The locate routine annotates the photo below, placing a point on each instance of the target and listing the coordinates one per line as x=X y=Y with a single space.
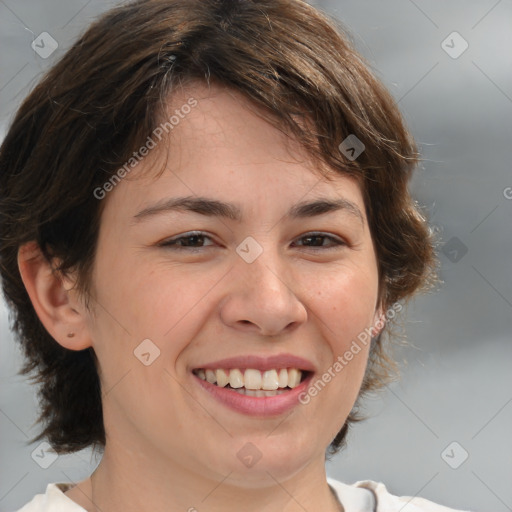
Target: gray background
x=456 y=386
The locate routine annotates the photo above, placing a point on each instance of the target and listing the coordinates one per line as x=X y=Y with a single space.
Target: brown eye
x=193 y=240
x=316 y=241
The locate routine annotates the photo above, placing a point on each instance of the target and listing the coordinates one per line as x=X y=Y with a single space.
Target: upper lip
x=260 y=363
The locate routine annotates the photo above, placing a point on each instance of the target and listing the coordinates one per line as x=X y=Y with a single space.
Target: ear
x=53 y=299
x=379 y=321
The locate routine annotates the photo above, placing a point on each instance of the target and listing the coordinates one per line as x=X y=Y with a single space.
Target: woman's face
x=281 y=286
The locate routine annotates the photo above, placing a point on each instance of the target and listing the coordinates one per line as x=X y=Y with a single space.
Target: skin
x=170 y=445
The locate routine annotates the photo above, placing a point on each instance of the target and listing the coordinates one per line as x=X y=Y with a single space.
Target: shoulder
x=53 y=500
x=370 y=496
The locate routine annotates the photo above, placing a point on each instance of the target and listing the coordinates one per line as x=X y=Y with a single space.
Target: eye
x=317 y=240
x=196 y=239
x=192 y=240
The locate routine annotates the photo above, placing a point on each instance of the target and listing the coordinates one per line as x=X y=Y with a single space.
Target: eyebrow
x=215 y=208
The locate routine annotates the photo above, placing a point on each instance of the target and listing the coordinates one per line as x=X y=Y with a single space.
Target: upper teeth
x=252 y=379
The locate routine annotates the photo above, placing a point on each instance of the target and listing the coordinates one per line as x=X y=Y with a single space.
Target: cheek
x=163 y=302
x=345 y=301
x=344 y=304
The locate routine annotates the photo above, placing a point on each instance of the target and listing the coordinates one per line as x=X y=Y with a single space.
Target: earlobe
x=55 y=305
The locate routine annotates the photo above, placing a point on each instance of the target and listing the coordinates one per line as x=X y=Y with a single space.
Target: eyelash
x=172 y=243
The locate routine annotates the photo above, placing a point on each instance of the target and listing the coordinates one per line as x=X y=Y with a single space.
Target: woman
x=206 y=230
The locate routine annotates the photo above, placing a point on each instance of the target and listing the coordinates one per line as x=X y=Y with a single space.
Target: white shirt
x=363 y=496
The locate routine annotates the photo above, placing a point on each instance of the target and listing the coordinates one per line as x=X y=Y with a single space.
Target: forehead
x=219 y=144
x=223 y=120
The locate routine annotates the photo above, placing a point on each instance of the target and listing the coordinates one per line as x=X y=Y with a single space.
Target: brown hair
x=104 y=98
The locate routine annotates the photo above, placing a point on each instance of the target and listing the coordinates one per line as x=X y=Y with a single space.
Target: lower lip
x=254 y=405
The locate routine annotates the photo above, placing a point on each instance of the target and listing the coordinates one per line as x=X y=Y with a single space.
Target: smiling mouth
x=252 y=382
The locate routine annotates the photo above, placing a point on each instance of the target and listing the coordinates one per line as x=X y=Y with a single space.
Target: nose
x=263 y=296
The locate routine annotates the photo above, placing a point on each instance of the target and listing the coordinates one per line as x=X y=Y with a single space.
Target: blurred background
x=441 y=432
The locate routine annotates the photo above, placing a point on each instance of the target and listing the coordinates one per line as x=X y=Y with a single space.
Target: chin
x=256 y=461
